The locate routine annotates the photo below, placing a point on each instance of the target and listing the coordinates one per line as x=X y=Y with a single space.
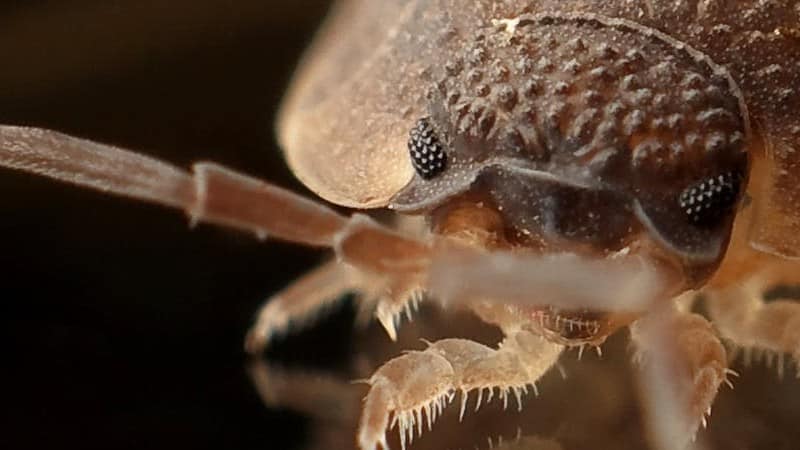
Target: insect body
x=580 y=164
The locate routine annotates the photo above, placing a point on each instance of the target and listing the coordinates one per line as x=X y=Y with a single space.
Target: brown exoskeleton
x=579 y=165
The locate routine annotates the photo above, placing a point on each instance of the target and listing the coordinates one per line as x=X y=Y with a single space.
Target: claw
x=374 y=421
x=388 y=321
x=389 y=397
x=407 y=420
x=391 y=309
x=464 y=399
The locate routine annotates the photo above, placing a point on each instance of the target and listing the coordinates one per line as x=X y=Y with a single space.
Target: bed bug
x=579 y=165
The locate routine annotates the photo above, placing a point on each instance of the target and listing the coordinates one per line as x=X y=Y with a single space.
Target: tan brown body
x=615 y=97
x=383 y=85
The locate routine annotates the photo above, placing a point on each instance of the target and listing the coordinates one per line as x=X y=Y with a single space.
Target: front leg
x=301 y=302
x=212 y=194
x=684 y=364
x=417 y=386
x=365 y=250
x=750 y=323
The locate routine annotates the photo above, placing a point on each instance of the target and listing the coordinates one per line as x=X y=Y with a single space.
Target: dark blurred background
x=120 y=326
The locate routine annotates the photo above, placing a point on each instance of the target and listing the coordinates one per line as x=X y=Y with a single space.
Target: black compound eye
x=427 y=152
x=708 y=202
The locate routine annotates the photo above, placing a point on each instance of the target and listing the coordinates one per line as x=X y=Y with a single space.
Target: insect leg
x=298 y=303
x=412 y=390
x=683 y=365
x=96 y=166
x=627 y=284
x=746 y=320
x=212 y=194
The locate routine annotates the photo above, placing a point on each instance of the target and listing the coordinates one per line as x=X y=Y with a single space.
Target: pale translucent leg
x=412 y=390
x=623 y=284
x=385 y=297
x=300 y=302
x=212 y=194
x=683 y=366
x=747 y=321
x=735 y=299
x=459 y=276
